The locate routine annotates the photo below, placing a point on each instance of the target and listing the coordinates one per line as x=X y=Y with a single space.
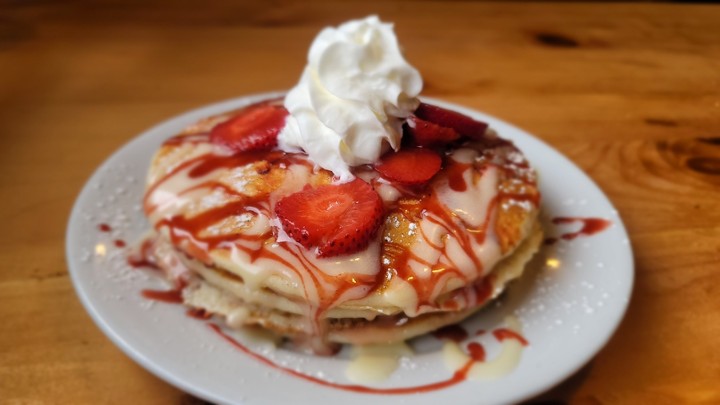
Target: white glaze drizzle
x=374 y=363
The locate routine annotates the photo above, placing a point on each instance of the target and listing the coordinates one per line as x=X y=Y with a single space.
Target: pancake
x=443 y=250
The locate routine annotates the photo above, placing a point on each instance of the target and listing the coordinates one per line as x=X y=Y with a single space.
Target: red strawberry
x=428 y=134
x=337 y=218
x=463 y=124
x=254 y=128
x=410 y=166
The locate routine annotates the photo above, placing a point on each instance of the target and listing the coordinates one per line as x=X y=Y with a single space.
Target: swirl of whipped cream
x=356 y=90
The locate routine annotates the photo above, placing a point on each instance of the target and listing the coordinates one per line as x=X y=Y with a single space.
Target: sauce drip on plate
x=590 y=226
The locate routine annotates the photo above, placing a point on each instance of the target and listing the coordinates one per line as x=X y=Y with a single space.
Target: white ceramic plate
x=569 y=305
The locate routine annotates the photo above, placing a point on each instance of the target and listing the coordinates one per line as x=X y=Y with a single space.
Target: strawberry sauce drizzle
x=477 y=351
x=198 y=313
x=215 y=162
x=504 y=333
x=187 y=139
x=104 y=228
x=457 y=377
x=173 y=296
x=455 y=173
x=590 y=226
x=148 y=207
x=143 y=256
x=169 y=296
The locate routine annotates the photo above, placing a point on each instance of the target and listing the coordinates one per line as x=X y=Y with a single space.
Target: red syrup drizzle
x=192 y=139
x=119 y=243
x=143 y=258
x=199 y=313
x=458 y=377
x=590 y=226
x=173 y=296
x=456 y=180
x=168 y=296
x=104 y=228
x=477 y=351
x=504 y=333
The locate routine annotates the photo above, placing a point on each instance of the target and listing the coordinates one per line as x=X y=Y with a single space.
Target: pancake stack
x=419 y=240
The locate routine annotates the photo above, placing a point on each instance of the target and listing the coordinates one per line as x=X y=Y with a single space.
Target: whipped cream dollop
x=352 y=98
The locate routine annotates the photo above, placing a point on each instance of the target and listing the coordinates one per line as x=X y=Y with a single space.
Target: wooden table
x=631 y=93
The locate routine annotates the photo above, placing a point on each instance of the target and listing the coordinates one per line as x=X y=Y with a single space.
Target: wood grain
x=630 y=92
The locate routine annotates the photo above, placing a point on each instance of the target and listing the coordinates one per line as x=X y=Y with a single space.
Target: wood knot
x=556 y=40
x=711 y=141
x=700 y=155
x=706 y=165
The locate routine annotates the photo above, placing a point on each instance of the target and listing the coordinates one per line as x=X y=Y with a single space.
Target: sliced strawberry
x=409 y=166
x=463 y=124
x=427 y=134
x=338 y=219
x=254 y=128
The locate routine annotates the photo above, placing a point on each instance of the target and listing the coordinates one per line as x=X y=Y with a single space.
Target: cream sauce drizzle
x=374 y=363
x=501 y=365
